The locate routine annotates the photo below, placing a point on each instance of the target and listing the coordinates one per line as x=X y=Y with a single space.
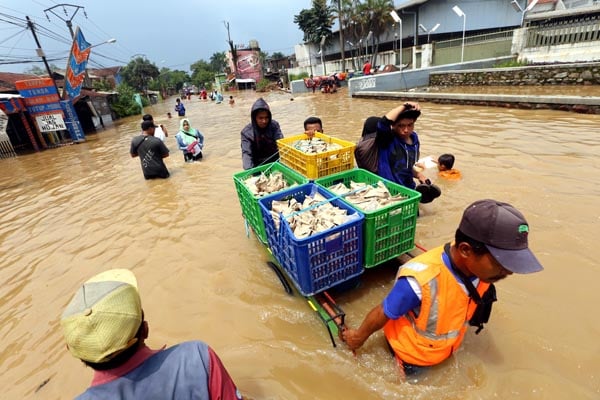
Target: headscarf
x=188 y=136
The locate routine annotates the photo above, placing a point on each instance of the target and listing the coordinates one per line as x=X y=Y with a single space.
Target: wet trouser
x=187 y=157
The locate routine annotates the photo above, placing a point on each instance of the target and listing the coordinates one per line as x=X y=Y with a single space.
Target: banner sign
x=80 y=52
x=248 y=65
x=73 y=124
x=50 y=122
x=42 y=102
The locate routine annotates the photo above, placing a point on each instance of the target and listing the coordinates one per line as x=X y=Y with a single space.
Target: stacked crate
x=316 y=165
x=388 y=231
x=249 y=202
x=320 y=261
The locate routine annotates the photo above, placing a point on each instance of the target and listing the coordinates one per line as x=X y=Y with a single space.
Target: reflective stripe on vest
x=433 y=318
x=430 y=334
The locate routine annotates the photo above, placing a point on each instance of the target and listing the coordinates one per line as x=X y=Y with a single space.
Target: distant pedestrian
x=180 y=108
x=190 y=141
x=366 y=67
x=231 y=101
x=160 y=131
x=151 y=151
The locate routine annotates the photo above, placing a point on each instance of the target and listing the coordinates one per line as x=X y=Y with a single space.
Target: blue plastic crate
x=318 y=262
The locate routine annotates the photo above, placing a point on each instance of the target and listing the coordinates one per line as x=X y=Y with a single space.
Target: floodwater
x=71 y=212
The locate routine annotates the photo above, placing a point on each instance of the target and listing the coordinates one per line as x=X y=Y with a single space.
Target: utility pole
x=232 y=49
x=68 y=21
x=40 y=53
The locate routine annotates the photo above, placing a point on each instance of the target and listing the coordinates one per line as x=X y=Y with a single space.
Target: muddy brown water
x=70 y=212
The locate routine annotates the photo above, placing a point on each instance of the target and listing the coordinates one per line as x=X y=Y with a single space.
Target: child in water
x=445 y=163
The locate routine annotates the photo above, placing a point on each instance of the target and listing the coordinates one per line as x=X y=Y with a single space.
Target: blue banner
x=72 y=122
x=75 y=73
x=38 y=91
x=43 y=108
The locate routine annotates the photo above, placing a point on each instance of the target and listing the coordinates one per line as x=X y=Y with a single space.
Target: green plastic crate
x=249 y=202
x=389 y=231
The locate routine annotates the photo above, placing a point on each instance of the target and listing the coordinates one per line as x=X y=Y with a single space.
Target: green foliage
x=277 y=55
x=315 y=22
x=261 y=86
x=169 y=79
x=512 y=63
x=124 y=104
x=102 y=85
x=218 y=62
x=296 y=77
x=139 y=73
x=37 y=70
x=202 y=74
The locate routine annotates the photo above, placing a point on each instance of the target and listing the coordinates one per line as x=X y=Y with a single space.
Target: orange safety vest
x=429 y=334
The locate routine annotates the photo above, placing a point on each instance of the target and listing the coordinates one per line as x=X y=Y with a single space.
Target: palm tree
x=315 y=22
x=344 y=11
x=377 y=15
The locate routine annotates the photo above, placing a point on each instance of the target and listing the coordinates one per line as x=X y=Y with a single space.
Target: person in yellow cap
x=104 y=326
x=439 y=293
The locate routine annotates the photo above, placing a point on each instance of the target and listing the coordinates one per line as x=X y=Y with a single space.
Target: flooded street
x=71 y=212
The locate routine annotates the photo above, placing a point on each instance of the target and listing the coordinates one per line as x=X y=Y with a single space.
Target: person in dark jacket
x=398 y=145
x=259 y=137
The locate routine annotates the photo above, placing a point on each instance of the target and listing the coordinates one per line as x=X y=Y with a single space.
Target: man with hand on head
x=424 y=316
x=104 y=327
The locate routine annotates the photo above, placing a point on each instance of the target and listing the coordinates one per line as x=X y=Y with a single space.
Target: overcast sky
x=171 y=34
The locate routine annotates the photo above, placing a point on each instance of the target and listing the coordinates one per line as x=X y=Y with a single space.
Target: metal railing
x=6 y=147
x=564 y=32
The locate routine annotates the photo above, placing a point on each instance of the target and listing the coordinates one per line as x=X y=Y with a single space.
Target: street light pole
x=321 y=51
x=518 y=8
x=430 y=31
x=398 y=20
x=460 y=13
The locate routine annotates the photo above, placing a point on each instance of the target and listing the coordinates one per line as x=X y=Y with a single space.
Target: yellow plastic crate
x=316 y=165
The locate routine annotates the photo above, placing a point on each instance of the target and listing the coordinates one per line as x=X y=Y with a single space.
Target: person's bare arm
x=393 y=113
x=374 y=321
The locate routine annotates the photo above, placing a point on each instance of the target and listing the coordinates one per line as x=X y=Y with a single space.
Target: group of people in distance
x=425 y=315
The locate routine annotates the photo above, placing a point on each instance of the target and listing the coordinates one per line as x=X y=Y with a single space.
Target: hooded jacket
x=260 y=145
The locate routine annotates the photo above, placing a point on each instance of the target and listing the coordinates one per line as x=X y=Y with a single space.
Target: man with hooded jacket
x=259 y=137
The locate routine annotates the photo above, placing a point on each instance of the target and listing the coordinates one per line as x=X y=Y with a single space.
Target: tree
x=202 y=73
x=139 y=72
x=168 y=79
x=345 y=12
x=277 y=55
x=378 y=12
x=37 y=70
x=124 y=105
x=315 y=22
x=218 y=62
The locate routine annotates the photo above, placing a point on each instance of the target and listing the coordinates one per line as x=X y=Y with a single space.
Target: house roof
x=8 y=79
x=104 y=72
